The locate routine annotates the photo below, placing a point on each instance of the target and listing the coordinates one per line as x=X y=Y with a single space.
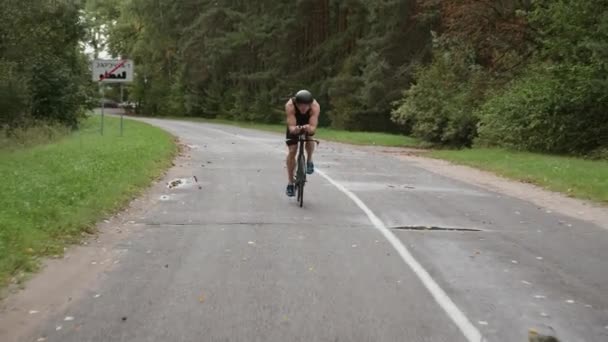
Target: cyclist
x=302 y=112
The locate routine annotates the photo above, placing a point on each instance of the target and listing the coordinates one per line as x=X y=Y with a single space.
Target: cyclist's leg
x=291 y=160
x=310 y=148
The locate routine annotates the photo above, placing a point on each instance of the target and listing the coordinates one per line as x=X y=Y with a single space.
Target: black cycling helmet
x=304 y=96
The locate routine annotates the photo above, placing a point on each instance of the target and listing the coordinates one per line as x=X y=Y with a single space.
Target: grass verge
x=53 y=193
x=576 y=177
x=355 y=138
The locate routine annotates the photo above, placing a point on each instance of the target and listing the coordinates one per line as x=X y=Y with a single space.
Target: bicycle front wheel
x=301 y=194
x=301 y=179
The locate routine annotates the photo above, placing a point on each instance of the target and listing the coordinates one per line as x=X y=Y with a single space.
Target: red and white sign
x=113 y=70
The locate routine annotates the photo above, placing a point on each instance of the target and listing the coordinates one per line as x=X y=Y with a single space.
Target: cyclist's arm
x=313 y=122
x=291 y=118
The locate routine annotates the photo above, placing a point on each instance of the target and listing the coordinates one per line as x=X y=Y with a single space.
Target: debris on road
x=534 y=336
x=124 y=318
x=174 y=183
x=68 y=318
x=570 y=301
x=539 y=297
x=33 y=312
x=59 y=327
x=483 y=323
x=201 y=298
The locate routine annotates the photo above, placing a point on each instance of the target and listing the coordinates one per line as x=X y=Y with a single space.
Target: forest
x=519 y=74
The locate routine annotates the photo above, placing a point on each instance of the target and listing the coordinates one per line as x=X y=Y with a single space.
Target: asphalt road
x=236 y=260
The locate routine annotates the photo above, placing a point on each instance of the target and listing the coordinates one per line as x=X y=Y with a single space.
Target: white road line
x=470 y=332
x=458 y=317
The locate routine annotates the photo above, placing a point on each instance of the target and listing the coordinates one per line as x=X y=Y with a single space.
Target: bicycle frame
x=300 y=172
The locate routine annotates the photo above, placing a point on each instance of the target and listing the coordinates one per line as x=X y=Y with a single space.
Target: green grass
x=53 y=193
x=581 y=178
x=355 y=138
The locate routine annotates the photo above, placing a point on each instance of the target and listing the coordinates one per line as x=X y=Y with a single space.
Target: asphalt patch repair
x=440 y=229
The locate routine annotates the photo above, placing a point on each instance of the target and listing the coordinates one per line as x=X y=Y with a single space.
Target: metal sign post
x=112 y=71
x=103 y=104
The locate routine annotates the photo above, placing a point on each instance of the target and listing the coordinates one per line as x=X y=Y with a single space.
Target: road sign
x=113 y=70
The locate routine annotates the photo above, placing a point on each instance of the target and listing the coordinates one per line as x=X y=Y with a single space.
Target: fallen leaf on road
x=201 y=298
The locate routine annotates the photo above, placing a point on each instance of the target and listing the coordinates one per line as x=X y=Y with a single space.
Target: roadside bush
x=549 y=110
